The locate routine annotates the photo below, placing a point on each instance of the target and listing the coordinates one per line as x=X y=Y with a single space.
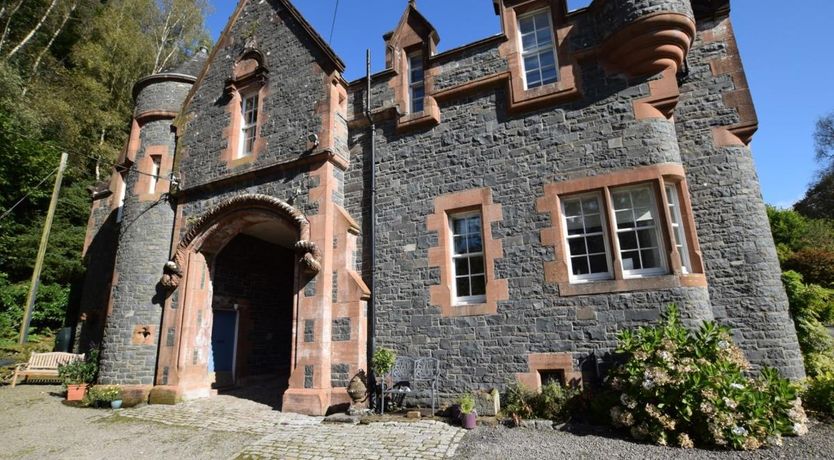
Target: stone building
x=536 y=192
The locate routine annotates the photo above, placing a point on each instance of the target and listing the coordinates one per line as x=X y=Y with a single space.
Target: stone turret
x=147 y=218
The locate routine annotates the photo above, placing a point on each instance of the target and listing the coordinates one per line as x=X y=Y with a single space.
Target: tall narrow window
x=587 y=243
x=248 y=125
x=677 y=225
x=468 y=258
x=537 y=49
x=156 y=165
x=122 y=192
x=638 y=231
x=416 y=84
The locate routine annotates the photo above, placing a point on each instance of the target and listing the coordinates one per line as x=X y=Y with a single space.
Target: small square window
x=468 y=258
x=552 y=376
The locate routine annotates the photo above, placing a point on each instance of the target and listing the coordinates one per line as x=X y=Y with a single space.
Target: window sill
x=428 y=118
x=632 y=284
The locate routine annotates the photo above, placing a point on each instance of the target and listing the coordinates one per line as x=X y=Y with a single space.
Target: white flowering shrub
x=689 y=389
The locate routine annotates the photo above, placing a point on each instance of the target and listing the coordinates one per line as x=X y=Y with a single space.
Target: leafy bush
x=48 y=314
x=810 y=306
x=98 y=395
x=815 y=264
x=383 y=361
x=80 y=372
x=551 y=403
x=687 y=389
x=819 y=394
x=467 y=403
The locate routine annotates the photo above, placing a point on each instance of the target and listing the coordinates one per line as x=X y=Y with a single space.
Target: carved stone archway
x=186 y=324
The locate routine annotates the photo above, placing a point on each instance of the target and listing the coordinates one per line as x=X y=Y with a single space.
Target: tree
x=178 y=31
x=819 y=199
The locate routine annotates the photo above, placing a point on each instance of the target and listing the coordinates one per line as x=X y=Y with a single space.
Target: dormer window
x=416 y=83
x=248 y=125
x=538 y=52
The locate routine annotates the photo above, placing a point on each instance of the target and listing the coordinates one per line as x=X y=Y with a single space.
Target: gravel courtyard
x=35 y=425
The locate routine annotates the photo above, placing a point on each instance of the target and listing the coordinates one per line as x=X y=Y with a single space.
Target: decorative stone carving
x=211 y=222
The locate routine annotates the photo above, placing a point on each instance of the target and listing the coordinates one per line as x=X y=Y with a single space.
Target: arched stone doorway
x=232 y=314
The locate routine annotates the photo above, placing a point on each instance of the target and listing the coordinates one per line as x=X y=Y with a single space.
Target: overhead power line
x=9 y=211
x=333 y=25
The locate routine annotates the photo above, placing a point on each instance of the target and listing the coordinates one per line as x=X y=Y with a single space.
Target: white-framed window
x=468 y=258
x=120 y=212
x=677 y=226
x=156 y=166
x=586 y=237
x=638 y=231
x=416 y=83
x=248 y=124
x=538 y=53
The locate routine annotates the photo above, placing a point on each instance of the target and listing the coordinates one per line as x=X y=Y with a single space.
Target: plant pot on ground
x=468 y=415
x=78 y=375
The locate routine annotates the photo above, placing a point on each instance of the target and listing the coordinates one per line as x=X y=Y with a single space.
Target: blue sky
x=784 y=47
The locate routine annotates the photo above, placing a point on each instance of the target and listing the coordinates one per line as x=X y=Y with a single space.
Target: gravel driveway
x=600 y=443
x=35 y=425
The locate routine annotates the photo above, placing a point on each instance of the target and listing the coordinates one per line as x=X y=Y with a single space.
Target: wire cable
x=333 y=25
x=9 y=211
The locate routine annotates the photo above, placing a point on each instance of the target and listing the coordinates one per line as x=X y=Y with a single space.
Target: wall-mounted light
x=313 y=139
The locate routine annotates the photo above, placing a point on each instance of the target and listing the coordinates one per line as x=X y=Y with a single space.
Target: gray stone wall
x=165 y=96
x=742 y=267
x=473 y=64
x=296 y=86
x=479 y=144
x=144 y=246
x=611 y=16
x=99 y=261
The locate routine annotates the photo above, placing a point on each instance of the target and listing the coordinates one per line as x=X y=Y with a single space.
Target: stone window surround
x=567 y=85
x=441 y=256
x=401 y=83
x=538 y=362
x=144 y=167
x=249 y=76
x=661 y=175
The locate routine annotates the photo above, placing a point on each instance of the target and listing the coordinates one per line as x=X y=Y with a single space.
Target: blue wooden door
x=223 y=342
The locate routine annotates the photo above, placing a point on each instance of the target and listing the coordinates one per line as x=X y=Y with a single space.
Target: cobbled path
x=293 y=436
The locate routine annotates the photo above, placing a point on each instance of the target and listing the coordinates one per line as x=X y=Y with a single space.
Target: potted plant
x=78 y=375
x=469 y=417
x=382 y=362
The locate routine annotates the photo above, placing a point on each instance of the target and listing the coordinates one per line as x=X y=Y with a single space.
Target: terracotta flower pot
x=76 y=392
x=470 y=421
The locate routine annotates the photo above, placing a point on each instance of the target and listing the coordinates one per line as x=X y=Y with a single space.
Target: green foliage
x=819 y=394
x=811 y=306
x=69 y=89
x=815 y=264
x=551 y=403
x=101 y=396
x=690 y=388
x=383 y=361
x=467 y=403
x=80 y=372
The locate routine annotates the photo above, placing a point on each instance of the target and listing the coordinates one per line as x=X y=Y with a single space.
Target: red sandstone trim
x=650 y=44
x=152 y=115
x=568 y=85
x=549 y=362
x=249 y=76
x=441 y=255
x=740 y=99
x=556 y=271
x=143 y=182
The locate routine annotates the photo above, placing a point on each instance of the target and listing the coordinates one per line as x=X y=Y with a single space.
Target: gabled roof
x=317 y=39
x=411 y=11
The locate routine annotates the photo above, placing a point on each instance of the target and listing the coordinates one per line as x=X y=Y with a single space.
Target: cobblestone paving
x=389 y=440
x=222 y=413
x=293 y=436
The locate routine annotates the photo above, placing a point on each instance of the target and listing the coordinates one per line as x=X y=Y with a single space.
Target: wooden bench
x=412 y=377
x=44 y=366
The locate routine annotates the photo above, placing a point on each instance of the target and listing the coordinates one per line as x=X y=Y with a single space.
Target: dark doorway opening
x=252 y=306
